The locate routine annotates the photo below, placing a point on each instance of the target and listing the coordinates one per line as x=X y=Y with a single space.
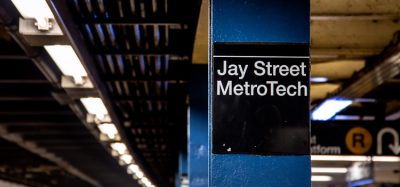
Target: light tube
x=67 y=61
x=109 y=129
x=95 y=106
x=329 y=108
x=328 y=170
x=321 y=178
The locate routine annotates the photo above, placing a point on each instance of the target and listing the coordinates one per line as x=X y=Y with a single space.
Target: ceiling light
x=347 y=117
x=126 y=158
x=328 y=170
x=329 y=108
x=394 y=116
x=109 y=129
x=321 y=178
x=95 y=106
x=120 y=148
x=35 y=9
x=146 y=181
x=353 y=118
x=319 y=79
x=355 y=158
x=139 y=174
x=133 y=168
x=362 y=182
x=68 y=62
x=386 y=159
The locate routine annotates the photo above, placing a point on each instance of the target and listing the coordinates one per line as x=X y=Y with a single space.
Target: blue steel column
x=284 y=21
x=198 y=128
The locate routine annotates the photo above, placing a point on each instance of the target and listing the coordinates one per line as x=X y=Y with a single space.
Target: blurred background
x=95 y=92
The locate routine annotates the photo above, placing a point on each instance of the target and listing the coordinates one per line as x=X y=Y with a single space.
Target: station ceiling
x=141 y=58
x=142 y=54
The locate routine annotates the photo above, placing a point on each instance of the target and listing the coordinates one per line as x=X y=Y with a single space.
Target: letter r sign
x=358 y=140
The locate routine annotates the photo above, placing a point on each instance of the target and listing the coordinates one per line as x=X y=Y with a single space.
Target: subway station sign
x=355 y=138
x=260 y=98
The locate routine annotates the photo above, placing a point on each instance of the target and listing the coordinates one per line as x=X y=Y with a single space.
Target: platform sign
x=355 y=138
x=261 y=98
x=259 y=93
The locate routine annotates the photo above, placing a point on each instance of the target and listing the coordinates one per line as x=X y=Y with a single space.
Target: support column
x=198 y=128
x=259 y=139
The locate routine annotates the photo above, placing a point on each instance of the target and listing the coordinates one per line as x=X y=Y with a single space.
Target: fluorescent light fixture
x=362 y=182
x=67 y=60
x=34 y=9
x=319 y=79
x=95 y=106
x=126 y=158
x=133 y=168
x=364 y=100
x=109 y=129
x=354 y=118
x=321 y=178
x=329 y=108
x=146 y=181
x=347 y=117
x=120 y=148
x=139 y=174
x=386 y=159
x=328 y=170
x=355 y=158
x=393 y=116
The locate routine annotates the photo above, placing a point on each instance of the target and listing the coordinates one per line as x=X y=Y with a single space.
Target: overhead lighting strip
x=330 y=108
x=70 y=65
x=96 y=107
x=329 y=170
x=336 y=158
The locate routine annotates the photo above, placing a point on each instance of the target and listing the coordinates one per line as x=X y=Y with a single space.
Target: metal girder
x=35 y=56
x=142 y=52
x=355 y=6
x=39 y=123
x=320 y=55
x=24 y=113
x=178 y=79
x=48 y=128
x=385 y=70
x=168 y=21
x=21 y=98
x=14 y=57
x=23 y=81
x=367 y=34
x=334 y=17
x=32 y=147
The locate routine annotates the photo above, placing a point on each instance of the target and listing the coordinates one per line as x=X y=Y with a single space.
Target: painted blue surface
x=260 y=171
x=183 y=168
x=183 y=165
x=259 y=21
x=198 y=128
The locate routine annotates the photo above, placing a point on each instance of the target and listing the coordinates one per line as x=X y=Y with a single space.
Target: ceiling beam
x=353 y=16
x=325 y=54
x=32 y=147
x=69 y=27
x=23 y=81
x=25 y=98
x=14 y=57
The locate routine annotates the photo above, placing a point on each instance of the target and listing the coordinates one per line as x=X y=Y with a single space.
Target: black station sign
x=260 y=98
x=355 y=138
